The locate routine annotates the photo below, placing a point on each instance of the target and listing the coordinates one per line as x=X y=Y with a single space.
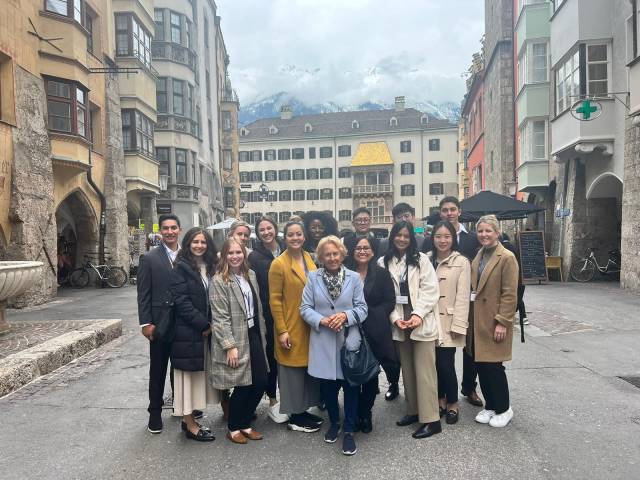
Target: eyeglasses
x=362 y=220
x=404 y=216
x=362 y=249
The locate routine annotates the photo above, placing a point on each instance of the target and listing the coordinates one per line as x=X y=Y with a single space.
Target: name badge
x=402 y=299
x=250 y=322
x=473 y=297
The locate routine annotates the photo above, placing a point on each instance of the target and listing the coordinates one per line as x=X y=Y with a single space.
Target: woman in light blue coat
x=332 y=298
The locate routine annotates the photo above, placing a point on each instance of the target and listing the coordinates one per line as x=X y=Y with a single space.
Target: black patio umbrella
x=503 y=207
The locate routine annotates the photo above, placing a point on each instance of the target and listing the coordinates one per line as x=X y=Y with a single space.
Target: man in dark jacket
x=402 y=212
x=154 y=303
x=361 y=221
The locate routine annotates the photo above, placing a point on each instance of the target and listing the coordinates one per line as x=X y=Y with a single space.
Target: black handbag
x=166 y=324
x=358 y=366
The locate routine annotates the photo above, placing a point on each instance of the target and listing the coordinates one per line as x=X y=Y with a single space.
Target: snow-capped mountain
x=270 y=107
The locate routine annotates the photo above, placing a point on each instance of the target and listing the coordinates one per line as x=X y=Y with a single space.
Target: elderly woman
x=453 y=272
x=239 y=361
x=416 y=328
x=332 y=299
x=287 y=277
x=241 y=231
x=494 y=284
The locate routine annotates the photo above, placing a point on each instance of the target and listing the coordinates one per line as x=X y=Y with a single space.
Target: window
x=272 y=196
x=434 y=145
x=270 y=176
x=256 y=176
x=407 y=168
x=88 y=24
x=284 y=175
x=226 y=121
x=243 y=156
x=256 y=155
x=68 y=8
x=284 y=154
x=188 y=104
x=436 y=189
x=132 y=39
x=284 y=196
x=245 y=217
x=181 y=166
x=161 y=94
x=254 y=197
x=436 y=167
x=393 y=122
x=298 y=174
x=308 y=128
x=210 y=132
x=407 y=190
x=137 y=132
x=312 y=152
x=568 y=82
x=298 y=195
x=176 y=29
x=325 y=152
x=326 y=194
x=284 y=217
x=188 y=34
x=244 y=196
x=355 y=125
x=158 y=17
x=326 y=173
x=344 y=172
x=273 y=130
x=533 y=141
x=405 y=146
x=269 y=154
x=343 y=151
x=313 y=194
x=254 y=217
x=344 y=192
x=178 y=97
x=533 y=64
x=227 y=159
x=245 y=177
x=206 y=31
x=312 y=173
x=67 y=107
x=344 y=215
x=297 y=153
x=228 y=197
x=597 y=70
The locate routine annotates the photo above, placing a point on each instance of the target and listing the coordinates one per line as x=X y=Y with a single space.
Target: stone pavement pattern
x=574 y=418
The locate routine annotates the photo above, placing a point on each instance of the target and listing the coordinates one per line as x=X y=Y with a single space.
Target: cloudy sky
x=350 y=51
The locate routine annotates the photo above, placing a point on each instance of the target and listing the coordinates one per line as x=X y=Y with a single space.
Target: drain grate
x=635 y=381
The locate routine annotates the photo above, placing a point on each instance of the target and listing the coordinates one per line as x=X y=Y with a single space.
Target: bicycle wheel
x=79 y=278
x=583 y=270
x=115 y=277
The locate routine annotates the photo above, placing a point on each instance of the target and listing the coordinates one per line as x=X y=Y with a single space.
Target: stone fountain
x=15 y=279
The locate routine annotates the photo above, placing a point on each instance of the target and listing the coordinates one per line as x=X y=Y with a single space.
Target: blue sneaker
x=332 y=434
x=349 y=444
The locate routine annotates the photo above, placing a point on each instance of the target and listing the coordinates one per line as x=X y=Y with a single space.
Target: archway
x=604 y=211
x=134 y=214
x=77 y=228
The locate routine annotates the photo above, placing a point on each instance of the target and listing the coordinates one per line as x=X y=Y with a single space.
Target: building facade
x=337 y=162
x=473 y=135
x=62 y=188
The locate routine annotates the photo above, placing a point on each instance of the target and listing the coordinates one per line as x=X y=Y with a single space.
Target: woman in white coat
x=416 y=327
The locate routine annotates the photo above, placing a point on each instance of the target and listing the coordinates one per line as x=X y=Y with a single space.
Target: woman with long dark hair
x=318 y=225
x=266 y=250
x=416 y=328
x=190 y=279
x=454 y=276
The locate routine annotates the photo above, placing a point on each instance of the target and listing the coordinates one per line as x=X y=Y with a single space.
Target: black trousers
x=159 y=353
x=392 y=370
x=469 y=373
x=272 y=378
x=495 y=389
x=522 y=311
x=367 y=397
x=447 y=379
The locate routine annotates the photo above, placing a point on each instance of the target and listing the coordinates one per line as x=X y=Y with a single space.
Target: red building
x=474 y=128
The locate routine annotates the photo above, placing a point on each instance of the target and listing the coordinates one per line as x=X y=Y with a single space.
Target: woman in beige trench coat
x=494 y=284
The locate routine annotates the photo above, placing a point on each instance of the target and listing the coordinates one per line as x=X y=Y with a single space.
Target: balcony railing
x=178 y=124
x=362 y=189
x=175 y=53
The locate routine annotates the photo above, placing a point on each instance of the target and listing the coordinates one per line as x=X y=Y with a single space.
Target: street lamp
x=163 y=181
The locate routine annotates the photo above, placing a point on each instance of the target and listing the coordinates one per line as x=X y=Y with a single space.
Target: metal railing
x=360 y=189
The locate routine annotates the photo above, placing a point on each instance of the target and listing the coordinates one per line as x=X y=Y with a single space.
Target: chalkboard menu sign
x=532 y=256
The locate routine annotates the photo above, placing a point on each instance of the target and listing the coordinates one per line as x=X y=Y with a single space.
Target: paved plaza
x=574 y=416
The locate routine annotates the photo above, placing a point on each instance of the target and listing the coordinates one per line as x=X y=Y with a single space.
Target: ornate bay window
x=67 y=106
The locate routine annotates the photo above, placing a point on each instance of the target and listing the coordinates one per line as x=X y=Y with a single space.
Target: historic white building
x=337 y=162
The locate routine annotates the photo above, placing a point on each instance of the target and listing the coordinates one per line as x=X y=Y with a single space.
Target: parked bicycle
x=584 y=270
x=113 y=276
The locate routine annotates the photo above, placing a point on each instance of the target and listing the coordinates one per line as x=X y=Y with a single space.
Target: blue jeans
x=329 y=390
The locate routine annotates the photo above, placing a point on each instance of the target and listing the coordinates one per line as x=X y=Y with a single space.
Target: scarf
x=333 y=283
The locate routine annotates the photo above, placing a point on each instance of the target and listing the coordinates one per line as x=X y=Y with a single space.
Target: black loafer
x=392 y=392
x=184 y=428
x=365 y=425
x=473 y=398
x=428 y=429
x=452 y=417
x=407 y=420
x=201 y=436
x=197 y=414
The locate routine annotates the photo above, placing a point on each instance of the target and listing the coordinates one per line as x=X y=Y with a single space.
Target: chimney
x=285 y=112
x=399 y=104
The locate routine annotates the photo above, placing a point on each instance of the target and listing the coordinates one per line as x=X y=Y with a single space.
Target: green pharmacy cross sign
x=586 y=110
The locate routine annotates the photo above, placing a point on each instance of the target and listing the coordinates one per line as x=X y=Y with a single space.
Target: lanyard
x=247 y=296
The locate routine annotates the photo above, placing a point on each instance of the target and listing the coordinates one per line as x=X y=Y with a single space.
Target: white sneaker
x=525 y=321
x=275 y=415
x=502 y=419
x=485 y=416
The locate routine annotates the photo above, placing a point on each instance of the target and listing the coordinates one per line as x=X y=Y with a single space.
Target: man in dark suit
x=154 y=302
x=468 y=245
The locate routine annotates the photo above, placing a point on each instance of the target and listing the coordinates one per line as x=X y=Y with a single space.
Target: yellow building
x=60 y=135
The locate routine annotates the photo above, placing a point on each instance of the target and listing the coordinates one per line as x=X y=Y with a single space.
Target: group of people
x=275 y=319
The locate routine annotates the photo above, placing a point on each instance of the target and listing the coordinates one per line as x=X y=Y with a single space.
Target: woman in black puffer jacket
x=190 y=278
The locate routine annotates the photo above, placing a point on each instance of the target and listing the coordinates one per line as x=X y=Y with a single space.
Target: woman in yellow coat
x=287 y=278
x=494 y=285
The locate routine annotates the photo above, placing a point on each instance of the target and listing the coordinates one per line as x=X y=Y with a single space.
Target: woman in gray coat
x=238 y=358
x=332 y=298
